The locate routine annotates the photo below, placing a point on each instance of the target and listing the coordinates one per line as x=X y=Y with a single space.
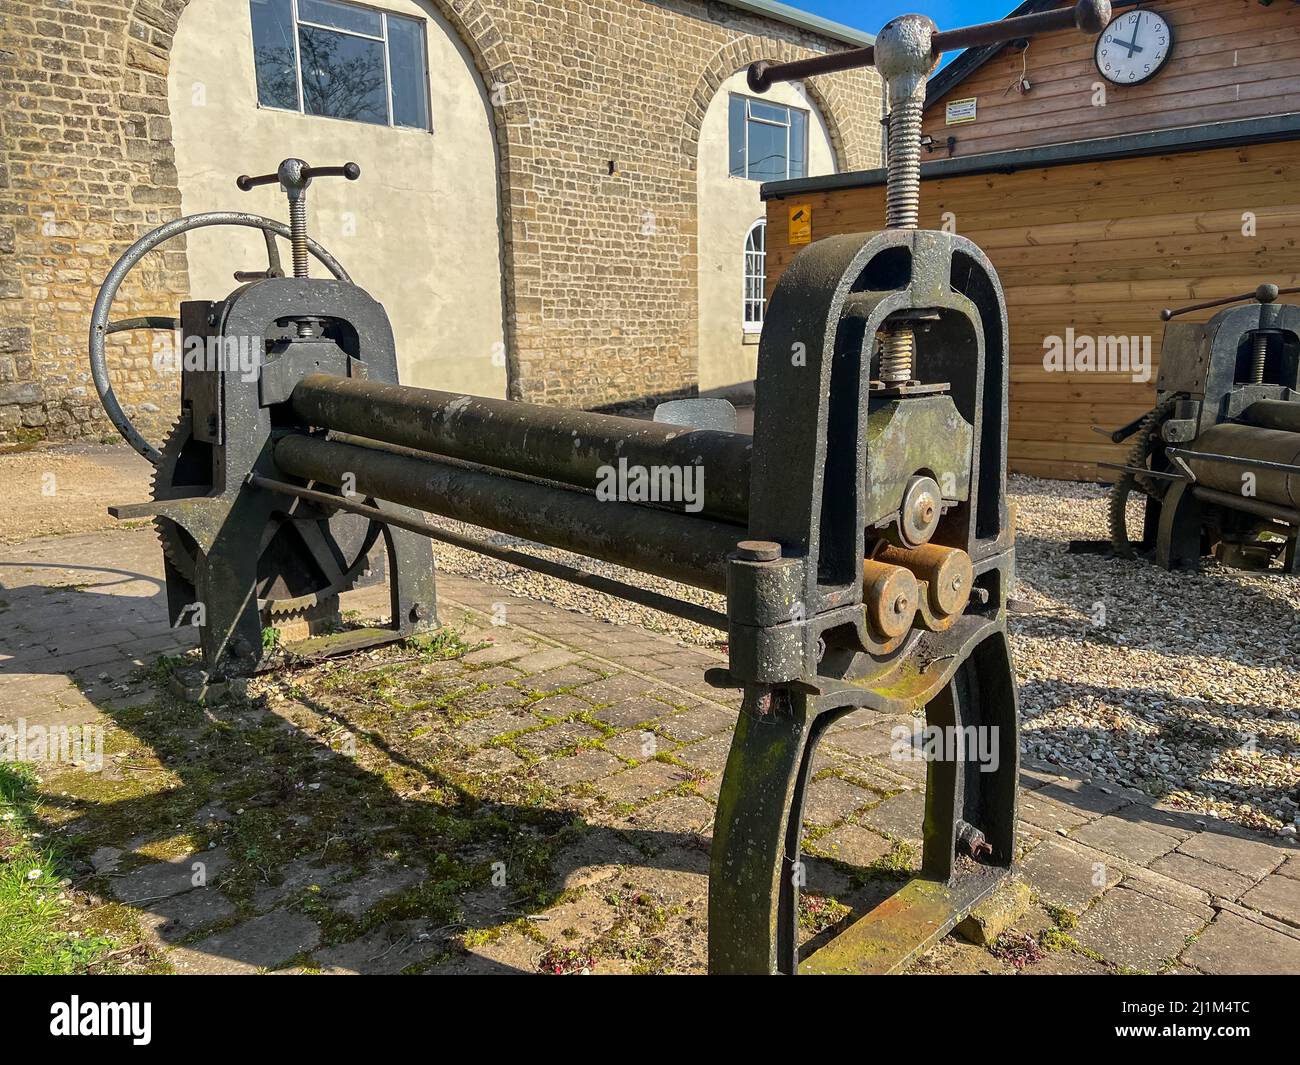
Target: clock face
x=1134 y=47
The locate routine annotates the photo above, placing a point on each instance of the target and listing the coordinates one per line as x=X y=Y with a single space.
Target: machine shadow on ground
x=332 y=806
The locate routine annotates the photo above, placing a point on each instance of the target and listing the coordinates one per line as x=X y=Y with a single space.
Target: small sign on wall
x=801 y=223
x=959 y=111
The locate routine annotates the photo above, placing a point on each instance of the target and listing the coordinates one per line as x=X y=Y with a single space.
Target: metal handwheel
x=101 y=327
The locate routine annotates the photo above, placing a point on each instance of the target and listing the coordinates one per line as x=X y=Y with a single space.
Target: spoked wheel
x=307 y=556
x=101 y=328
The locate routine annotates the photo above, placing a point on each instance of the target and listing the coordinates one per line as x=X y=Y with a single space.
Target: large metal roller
x=1274 y=414
x=569 y=446
x=687 y=549
x=1250 y=442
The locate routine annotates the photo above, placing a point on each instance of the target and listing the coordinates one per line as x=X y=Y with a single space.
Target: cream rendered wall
x=728 y=206
x=419 y=231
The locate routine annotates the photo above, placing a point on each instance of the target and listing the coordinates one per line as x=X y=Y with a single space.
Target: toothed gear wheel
x=308 y=556
x=1148 y=446
x=172 y=478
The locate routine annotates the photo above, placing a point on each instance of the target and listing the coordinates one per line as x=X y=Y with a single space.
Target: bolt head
x=758 y=551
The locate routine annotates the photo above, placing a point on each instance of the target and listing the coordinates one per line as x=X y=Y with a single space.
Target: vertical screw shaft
x=298 y=242
x=1260 y=354
x=298 y=232
x=902 y=211
x=903 y=191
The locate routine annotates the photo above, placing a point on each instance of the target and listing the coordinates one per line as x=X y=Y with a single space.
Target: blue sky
x=870 y=15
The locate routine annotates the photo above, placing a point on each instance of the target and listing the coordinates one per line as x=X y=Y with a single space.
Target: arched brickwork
x=849 y=120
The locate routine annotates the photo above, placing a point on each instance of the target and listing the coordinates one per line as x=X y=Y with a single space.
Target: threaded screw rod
x=1259 y=355
x=904 y=57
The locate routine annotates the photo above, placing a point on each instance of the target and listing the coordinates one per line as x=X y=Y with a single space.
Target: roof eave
x=805 y=20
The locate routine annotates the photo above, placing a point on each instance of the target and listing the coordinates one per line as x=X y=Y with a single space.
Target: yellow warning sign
x=801 y=223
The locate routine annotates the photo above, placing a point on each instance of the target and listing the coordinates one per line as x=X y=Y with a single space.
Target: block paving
x=535 y=796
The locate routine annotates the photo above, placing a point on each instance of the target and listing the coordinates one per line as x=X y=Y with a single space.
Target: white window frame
x=301 y=109
x=787 y=124
x=752 y=327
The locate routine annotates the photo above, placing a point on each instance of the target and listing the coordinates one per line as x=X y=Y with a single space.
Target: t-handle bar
x=1090 y=16
x=293 y=176
x=300 y=174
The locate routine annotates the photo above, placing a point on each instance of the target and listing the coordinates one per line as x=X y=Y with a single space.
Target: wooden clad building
x=1101 y=196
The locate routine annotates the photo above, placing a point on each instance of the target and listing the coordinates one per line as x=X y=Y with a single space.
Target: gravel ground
x=1182 y=685
x=68 y=489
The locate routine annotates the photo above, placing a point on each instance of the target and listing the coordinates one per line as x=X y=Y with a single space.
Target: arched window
x=755 y=276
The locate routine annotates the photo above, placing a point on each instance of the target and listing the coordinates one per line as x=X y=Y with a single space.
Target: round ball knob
x=1092 y=16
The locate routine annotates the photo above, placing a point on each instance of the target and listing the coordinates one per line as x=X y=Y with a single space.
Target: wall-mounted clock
x=1134 y=47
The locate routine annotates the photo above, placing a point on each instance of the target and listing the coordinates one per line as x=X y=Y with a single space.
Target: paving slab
x=1127 y=839
x=698 y=723
x=383 y=952
x=1278 y=896
x=553 y=680
x=689 y=814
x=1234 y=946
x=1050 y=814
x=498 y=652
x=160 y=880
x=831 y=800
x=706 y=756
x=1065 y=963
x=619 y=688
x=1214 y=879
x=356 y=897
x=585 y=765
x=547 y=658
x=179 y=916
x=854 y=845
x=554 y=738
x=247 y=948
x=1135 y=931
x=1253 y=859
x=901 y=815
x=1063 y=876
x=649 y=778
x=630 y=712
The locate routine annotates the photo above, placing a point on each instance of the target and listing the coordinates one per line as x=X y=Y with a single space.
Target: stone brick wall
x=600 y=267
x=85 y=168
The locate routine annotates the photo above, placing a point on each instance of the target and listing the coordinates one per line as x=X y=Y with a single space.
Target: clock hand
x=1132 y=45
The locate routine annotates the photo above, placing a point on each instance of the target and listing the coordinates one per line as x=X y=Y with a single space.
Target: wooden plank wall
x=1100 y=247
x=1232 y=59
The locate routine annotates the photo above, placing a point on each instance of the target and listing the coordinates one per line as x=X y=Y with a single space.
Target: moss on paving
x=46 y=927
x=315 y=764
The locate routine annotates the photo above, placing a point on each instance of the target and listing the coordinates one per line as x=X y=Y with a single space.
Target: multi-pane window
x=769 y=142
x=322 y=57
x=755 y=276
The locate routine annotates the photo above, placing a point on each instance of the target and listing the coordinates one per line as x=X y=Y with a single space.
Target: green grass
x=33 y=903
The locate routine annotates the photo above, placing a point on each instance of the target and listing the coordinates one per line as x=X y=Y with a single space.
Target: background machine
x=1217 y=461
